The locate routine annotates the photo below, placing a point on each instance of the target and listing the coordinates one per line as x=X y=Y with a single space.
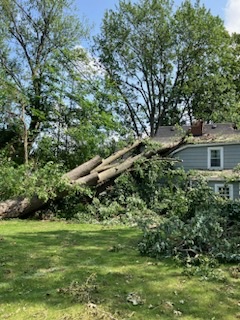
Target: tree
x=166 y=65
x=37 y=39
x=205 y=52
x=81 y=124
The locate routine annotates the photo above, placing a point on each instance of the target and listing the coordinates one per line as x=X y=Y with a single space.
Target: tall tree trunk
x=25 y=135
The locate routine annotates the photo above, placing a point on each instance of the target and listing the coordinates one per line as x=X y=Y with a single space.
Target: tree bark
x=166 y=151
x=117 y=170
x=89 y=180
x=25 y=134
x=117 y=155
x=20 y=207
x=83 y=169
x=103 y=168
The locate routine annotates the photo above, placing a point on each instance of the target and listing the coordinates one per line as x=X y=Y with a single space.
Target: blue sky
x=228 y=10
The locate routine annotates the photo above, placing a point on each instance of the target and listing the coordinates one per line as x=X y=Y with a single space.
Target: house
x=213 y=150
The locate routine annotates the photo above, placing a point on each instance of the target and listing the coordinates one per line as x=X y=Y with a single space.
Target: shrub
x=204 y=267
x=26 y=181
x=127 y=210
x=206 y=233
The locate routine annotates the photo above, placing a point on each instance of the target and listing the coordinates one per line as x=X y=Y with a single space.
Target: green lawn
x=52 y=270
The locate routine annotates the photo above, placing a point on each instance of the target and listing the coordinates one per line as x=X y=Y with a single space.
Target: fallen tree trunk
x=117 y=170
x=20 y=207
x=90 y=180
x=103 y=168
x=117 y=155
x=95 y=172
x=83 y=169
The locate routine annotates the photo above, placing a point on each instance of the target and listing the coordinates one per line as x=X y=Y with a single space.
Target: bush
x=26 y=181
x=127 y=210
x=206 y=233
x=204 y=267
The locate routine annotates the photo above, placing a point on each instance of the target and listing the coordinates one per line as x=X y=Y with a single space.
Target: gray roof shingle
x=219 y=132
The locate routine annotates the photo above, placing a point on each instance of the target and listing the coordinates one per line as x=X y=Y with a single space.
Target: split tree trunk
x=117 y=170
x=83 y=169
x=117 y=155
x=95 y=172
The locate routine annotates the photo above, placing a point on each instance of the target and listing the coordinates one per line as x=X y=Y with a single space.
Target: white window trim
x=221 y=158
x=220 y=185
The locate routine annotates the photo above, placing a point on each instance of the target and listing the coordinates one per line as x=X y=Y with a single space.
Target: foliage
x=200 y=196
x=28 y=181
x=51 y=88
x=205 y=233
x=138 y=194
x=124 y=210
x=150 y=180
x=204 y=267
x=32 y=70
x=180 y=213
x=230 y=210
x=77 y=144
x=168 y=64
x=152 y=189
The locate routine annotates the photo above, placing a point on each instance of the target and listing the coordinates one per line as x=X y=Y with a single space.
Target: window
x=224 y=190
x=215 y=158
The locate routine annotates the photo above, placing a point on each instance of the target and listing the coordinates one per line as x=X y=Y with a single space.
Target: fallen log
x=103 y=168
x=111 y=172
x=166 y=151
x=95 y=172
x=90 y=180
x=83 y=169
x=117 y=170
x=19 y=207
x=117 y=155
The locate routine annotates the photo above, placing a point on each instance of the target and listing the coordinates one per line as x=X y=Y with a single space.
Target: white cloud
x=88 y=65
x=232 y=14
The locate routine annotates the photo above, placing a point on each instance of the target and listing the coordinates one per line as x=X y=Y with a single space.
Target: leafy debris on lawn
x=84 y=292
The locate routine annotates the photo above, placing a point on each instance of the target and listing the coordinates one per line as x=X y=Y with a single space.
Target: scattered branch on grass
x=83 y=293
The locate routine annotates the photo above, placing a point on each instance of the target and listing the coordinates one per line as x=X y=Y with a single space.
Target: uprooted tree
x=96 y=172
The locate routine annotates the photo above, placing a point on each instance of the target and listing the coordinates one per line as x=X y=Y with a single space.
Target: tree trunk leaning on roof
x=95 y=172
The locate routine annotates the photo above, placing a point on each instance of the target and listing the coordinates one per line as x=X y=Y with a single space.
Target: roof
x=216 y=175
x=211 y=133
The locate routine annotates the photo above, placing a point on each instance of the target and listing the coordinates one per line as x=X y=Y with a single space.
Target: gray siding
x=196 y=157
x=192 y=158
x=231 y=156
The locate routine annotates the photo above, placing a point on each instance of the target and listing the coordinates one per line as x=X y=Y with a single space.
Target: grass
x=55 y=270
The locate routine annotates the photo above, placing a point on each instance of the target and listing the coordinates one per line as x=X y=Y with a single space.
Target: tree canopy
x=48 y=83
x=168 y=65
x=155 y=66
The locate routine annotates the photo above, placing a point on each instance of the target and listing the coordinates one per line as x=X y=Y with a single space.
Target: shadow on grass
x=35 y=265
